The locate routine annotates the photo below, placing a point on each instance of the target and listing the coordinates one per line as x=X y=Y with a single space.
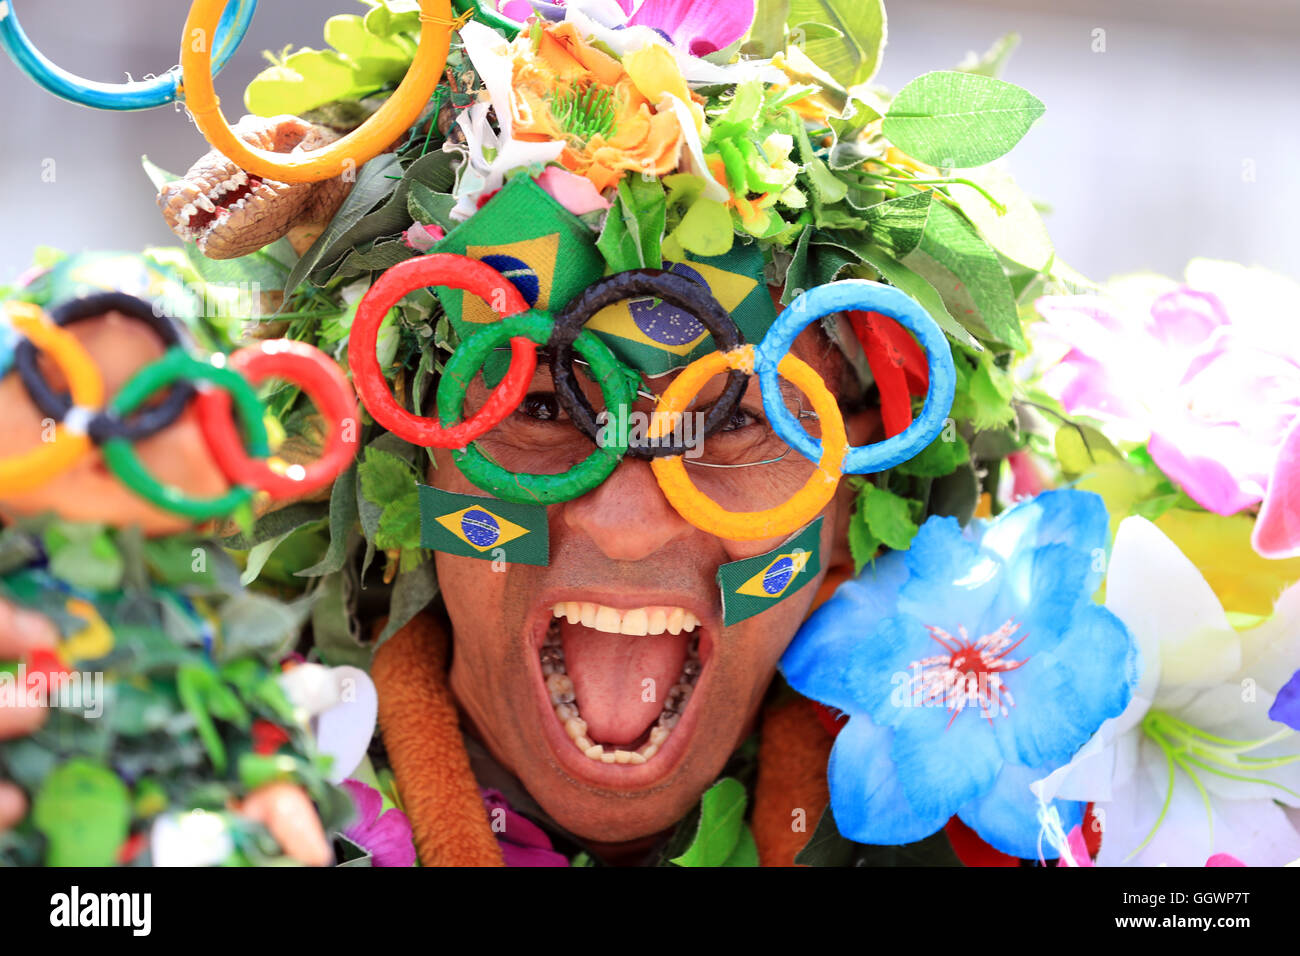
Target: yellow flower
x=606 y=112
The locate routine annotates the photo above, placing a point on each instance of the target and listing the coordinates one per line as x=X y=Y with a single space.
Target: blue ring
x=859 y=295
x=136 y=95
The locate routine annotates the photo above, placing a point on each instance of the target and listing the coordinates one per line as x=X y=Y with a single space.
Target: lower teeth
x=560 y=688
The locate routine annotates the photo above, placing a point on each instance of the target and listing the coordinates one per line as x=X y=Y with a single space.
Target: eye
x=542 y=406
x=741 y=418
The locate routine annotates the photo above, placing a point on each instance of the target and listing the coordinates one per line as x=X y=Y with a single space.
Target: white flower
x=197 y=838
x=490 y=156
x=1194 y=766
x=339 y=706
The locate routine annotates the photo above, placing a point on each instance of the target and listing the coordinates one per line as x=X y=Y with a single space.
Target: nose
x=627 y=516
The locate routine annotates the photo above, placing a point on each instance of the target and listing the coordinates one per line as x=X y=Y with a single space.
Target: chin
x=623 y=715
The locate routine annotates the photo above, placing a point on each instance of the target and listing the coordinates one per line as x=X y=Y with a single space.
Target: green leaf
x=253 y=623
x=1080 y=448
x=429 y=207
x=372 y=185
x=722 y=818
x=994 y=59
x=399 y=525
x=843 y=37
x=957 y=120
x=897 y=274
x=305 y=80
x=826 y=846
x=767 y=34
x=84 y=811
x=863 y=545
x=952 y=242
x=987 y=396
x=258 y=556
x=385 y=477
x=746 y=851
x=940 y=457
x=634 y=226
x=379 y=60
x=343 y=516
x=1019 y=233
x=897 y=225
x=88 y=561
x=888 y=516
x=412 y=592
x=705 y=229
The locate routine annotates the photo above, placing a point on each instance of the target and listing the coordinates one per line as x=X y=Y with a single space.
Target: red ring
x=453 y=272
x=325 y=384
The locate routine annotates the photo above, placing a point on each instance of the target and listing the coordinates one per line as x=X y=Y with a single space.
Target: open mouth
x=620 y=681
x=204 y=205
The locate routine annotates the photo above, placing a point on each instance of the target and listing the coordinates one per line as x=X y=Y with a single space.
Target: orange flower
x=566 y=89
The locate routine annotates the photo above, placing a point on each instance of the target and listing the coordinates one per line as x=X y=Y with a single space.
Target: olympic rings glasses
x=82 y=420
x=567 y=470
x=135 y=95
x=398 y=113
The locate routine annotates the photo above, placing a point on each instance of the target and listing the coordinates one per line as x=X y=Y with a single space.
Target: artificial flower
x=422 y=238
x=608 y=116
x=489 y=153
x=1079 y=856
x=385 y=835
x=703 y=28
x=1194 y=765
x=523 y=843
x=699 y=28
x=1215 y=387
x=967 y=664
x=1286 y=707
x=1277 y=532
x=575 y=193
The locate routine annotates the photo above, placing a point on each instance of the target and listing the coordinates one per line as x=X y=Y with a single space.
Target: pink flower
x=1216 y=393
x=575 y=193
x=386 y=837
x=422 y=238
x=703 y=28
x=523 y=843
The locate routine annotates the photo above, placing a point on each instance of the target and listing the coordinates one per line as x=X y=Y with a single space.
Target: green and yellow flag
x=488 y=528
x=752 y=585
x=656 y=337
x=551 y=256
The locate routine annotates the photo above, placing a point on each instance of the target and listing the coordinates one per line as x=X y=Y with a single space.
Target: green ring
x=614 y=378
x=125 y=463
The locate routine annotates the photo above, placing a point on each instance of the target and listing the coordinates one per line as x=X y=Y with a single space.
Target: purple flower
x=1286 y=706
x=1214 y=387
x=523 y=843
x=703 y=28
x=700 y=26
x=387 y=837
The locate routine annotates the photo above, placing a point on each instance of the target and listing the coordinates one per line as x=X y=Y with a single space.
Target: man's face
x=177 y=455
x=628 y=576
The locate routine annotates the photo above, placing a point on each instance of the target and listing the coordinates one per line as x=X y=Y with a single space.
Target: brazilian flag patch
x=487 y=528
x=655 y=337
x=752 y=585
x=548 y=253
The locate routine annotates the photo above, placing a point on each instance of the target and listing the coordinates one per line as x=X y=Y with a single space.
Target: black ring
x=677 y=291
x=104 y=425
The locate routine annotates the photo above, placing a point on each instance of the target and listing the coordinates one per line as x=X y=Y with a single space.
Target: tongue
x=611 y=674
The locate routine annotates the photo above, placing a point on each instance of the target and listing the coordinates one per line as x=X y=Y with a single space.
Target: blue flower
x=970 y=665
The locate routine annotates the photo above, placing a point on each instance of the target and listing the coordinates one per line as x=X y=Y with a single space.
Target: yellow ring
x=379 y=132
x=785 y=518
x=32 y=469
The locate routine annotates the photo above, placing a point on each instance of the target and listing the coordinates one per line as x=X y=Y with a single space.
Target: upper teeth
x=638 y=621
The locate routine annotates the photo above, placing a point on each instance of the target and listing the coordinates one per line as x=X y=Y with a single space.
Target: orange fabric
x=421 y=731
x=792 y=754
